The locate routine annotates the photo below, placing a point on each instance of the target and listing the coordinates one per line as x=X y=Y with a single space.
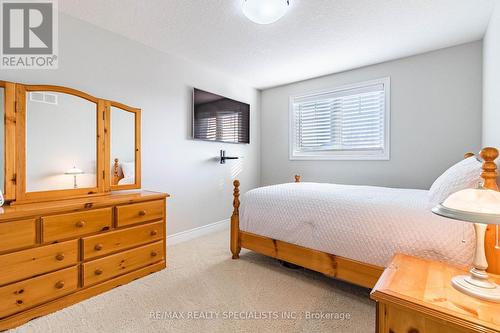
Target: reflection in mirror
x=122 y=147
x=2 y=145
x=61 y=142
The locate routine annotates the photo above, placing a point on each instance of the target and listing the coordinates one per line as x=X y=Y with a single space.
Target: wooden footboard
x=359 y=273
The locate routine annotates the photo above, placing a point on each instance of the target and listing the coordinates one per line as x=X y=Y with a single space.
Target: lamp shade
x=472 y=205
x=265 y=11
x=481 y=207
x=74 y=171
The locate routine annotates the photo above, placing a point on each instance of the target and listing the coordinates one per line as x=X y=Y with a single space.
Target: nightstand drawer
x=24 y=264
x=140 y=212
x=28 y=293
x=102 y=269
x=109 y=242
x=398 y=320
x=64 y=226
x=17 y=234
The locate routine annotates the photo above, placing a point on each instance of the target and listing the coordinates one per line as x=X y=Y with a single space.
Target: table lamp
x=74 y=171
x=481 y=207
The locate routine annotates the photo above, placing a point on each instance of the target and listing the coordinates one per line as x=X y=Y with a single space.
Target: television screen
x=218 y=118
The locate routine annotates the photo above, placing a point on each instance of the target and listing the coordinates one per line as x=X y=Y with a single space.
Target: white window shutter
x=343 y=122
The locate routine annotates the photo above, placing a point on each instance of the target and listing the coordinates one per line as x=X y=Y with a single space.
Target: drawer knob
x=154 y=254
x=60 y=257
x=98 y=272
x=142 y=213
x=59 y=284
x=80 y=224
x=154 y=232
x=98 y=247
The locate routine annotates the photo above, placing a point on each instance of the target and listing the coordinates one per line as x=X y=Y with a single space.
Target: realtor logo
x=29 y=34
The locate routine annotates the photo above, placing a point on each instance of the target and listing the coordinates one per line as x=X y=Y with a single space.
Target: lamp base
x=485 y=290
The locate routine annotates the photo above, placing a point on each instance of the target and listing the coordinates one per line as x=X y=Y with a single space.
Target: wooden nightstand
x=415 y=296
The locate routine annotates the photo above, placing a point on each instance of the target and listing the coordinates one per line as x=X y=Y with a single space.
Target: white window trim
x=343 y=155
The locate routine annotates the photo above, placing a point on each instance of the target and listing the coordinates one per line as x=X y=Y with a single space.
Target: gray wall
x=491 y=82
x=106 y=65
x=58 y=137
x=436 y=102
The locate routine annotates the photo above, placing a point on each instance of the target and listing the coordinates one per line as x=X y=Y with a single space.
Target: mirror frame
x=9 y=188
x=137 y=147
x=15 y=145
x=22 y=194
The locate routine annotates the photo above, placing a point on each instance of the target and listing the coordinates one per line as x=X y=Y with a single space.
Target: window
x=347 y=123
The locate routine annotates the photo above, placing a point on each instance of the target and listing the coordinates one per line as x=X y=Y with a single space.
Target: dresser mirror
x=61 y=142
x=124 y=147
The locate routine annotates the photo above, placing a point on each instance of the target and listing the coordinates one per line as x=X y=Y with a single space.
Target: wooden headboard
x=117 y=173
x=489 y=175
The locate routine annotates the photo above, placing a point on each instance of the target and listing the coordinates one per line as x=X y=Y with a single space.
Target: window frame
x=342 y=155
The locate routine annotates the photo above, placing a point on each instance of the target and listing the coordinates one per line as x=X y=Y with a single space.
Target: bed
x=352 y=232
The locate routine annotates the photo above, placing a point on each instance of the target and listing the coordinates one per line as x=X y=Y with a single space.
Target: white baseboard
x=197 y=232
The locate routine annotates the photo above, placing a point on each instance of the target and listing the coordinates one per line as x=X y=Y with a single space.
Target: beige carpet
x=203 y=282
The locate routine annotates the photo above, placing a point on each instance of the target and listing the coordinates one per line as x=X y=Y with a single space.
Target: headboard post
x=489 y=175
x=235 y=221
x=116 y=177
x=117 y=173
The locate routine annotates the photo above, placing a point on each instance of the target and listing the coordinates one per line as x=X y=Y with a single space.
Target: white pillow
x=126 y=181
x=128 y=169
x=464 y=174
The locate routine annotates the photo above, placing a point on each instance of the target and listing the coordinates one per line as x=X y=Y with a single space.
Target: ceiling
x=315 y=37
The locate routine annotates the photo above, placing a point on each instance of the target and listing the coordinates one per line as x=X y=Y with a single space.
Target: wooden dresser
x=416 y=296
x=54 y=254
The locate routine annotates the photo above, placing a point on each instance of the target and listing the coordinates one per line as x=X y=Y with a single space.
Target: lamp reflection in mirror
x=481 y=207
x=74 y=171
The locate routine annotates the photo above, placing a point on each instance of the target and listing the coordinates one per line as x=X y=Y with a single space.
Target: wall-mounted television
x=221 y=119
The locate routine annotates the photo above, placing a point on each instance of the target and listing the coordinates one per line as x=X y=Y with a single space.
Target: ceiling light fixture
x=265 y=11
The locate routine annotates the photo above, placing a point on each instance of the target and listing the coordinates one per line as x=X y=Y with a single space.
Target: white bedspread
x=364 y=223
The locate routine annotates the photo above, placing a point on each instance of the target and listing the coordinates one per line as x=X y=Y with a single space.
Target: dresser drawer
x=17 y=234
x=75 y=224
x=24 y=264
x=28 y=293
x=99 y=245
x=140 y=212
x=102 y=269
